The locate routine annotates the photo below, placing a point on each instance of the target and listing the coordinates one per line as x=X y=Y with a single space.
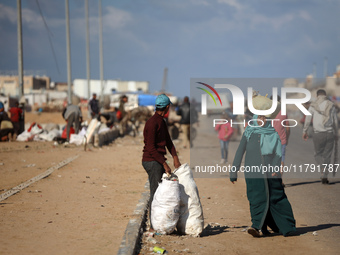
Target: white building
x=109 y=87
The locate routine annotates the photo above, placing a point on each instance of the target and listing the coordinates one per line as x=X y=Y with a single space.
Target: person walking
x=124 y=115
x=72 y=114
x=325 y=127
x=94 y=106
x=184 y=111
x=269 y=205
x=156 y=138
x=225 y=131
x=15 y=117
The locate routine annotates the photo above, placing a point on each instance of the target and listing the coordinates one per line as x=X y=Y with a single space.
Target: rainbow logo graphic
x=209 y=93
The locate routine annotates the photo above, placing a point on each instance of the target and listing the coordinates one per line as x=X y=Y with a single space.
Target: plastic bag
x=191 y=221
x=165 y=206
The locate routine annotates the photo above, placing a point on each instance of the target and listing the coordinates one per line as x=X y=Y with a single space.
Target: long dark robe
x=268 y=202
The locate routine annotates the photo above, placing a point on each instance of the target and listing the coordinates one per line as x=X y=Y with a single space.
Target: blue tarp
x=145 y=100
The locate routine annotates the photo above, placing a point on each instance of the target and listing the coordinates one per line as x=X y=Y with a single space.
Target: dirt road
x=84 y=207
x=226 y=211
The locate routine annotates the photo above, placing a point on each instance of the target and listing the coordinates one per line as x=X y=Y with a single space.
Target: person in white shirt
x=325 y=126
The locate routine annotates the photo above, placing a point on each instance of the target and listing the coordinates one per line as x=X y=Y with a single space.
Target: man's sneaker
x=254 y=232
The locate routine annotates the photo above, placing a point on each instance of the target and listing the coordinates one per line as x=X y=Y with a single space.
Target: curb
x=134 y=228
x=107 y=137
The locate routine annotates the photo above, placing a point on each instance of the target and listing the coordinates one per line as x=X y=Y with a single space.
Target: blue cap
x=162 y=101
x=1 y=105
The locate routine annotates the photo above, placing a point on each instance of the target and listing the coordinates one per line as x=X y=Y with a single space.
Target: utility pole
x=101 y=64
x=20 y=68
x=68 y=53
x=165 y=80
x=88 y=49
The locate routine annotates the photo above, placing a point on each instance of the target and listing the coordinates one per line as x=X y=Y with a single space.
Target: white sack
x=50 y=135
x=191 y=220
x=77 y=139
x=165 y=207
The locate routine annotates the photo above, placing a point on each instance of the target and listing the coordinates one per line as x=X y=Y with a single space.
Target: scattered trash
x=315 y=233
x=1 y=164
x=151 y=240
x=50 y=222
x=30 y=165
x=158 y=250
x=102 y=205
x=149 y=234
x=59 y=175
x=36 y=191
x=104 y=186
x=244 y=230
x=88 y=177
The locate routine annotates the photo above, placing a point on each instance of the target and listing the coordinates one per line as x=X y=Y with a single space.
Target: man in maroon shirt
x=156 y=138
x=15 y=117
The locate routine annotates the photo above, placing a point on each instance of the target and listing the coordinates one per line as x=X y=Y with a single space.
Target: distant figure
x=184 y=112
x=225 y=131
x=123 y=115
x=72 y=114
x=94 y=106
x=325 y=126
x=6 y=126
x=15 y=117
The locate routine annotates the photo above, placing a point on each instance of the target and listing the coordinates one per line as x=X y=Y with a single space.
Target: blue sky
x=192 y=38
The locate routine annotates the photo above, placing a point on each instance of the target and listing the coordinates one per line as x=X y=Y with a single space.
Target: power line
x=49 y=33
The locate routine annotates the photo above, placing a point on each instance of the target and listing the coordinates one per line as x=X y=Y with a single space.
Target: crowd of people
x=262 y=144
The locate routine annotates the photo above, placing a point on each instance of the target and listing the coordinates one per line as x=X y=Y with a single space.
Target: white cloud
x=8 y=13
x=233 y=3
x=305 y=15
x=116 y=18
x=200 y=2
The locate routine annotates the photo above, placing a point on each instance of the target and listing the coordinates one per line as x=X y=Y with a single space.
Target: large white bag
x=165 y=207
x=191 y=221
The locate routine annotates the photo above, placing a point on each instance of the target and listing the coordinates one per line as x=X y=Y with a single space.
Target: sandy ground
x=84 y=207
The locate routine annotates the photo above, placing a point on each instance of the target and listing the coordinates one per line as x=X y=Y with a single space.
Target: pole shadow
x=214 y=230
x=305 y=230
x=311 y=182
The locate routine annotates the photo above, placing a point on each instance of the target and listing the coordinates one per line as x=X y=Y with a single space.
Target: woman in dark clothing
x=6 y=126
x=268 y=202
